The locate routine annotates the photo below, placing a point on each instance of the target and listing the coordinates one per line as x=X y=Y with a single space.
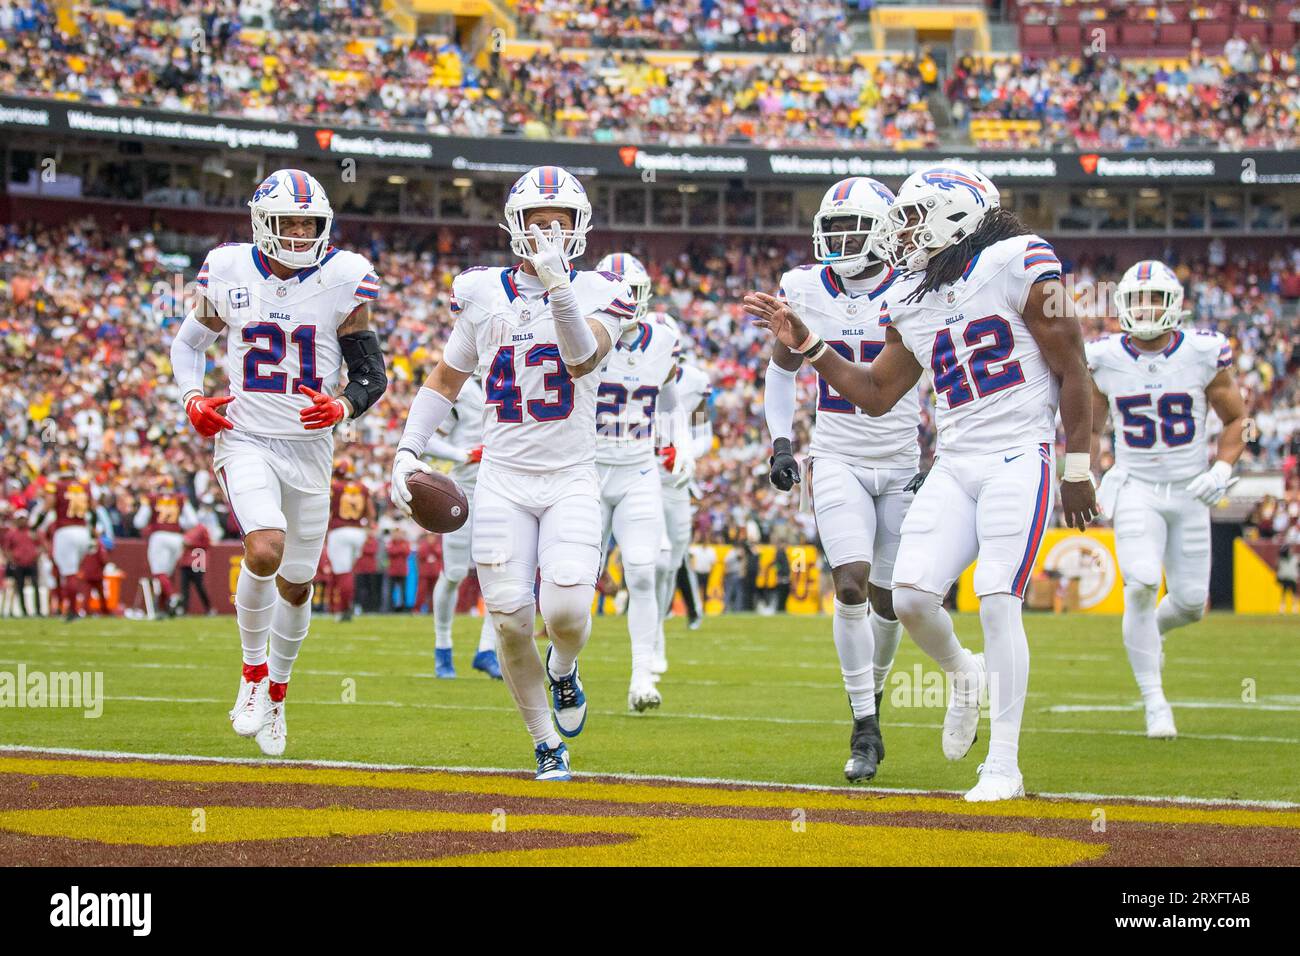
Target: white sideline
x=724 y=718
x=631 y=777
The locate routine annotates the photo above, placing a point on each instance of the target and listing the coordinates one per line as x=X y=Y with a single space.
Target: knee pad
x=640 y=578
x=515 y=627
x=566 y=610
x=912 y=605
x=1139 y=597
x=1189 y=603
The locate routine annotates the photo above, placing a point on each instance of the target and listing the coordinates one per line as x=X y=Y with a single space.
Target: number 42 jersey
x=1157 y=401
x=993 y=388
x=282 y=333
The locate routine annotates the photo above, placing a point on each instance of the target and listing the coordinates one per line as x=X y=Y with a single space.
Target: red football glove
x=205 y=414
x=669 y=456
x=474 y=455
x=323 y=412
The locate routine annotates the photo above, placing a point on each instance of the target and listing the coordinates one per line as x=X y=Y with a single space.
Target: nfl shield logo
x=952 y=296
x=282 y=291
x=524 y=315
x=852 y=308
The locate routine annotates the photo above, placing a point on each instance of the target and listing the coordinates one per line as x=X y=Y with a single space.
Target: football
x=437 y=503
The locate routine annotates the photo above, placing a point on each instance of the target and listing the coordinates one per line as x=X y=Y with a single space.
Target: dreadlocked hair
x=948 y=265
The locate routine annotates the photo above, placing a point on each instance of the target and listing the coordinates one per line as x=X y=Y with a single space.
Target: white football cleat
x=275 y=732
x=643 y=695
x=251 y=707
x=961 y=722
x=996 y=784
x=1160 y=721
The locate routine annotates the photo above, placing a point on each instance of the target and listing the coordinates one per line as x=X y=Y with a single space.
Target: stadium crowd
x=182 y=56
x=1248 y=99
x=742 y=25
x=78 y=300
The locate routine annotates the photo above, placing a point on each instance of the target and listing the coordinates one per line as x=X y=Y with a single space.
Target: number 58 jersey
x=537 y=418
x=1157 y=401
x=993 y=388
x=282 y=333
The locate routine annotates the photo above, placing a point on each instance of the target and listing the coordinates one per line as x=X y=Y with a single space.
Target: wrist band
x=818 y=351
x=1078 y=466
x=807 y=343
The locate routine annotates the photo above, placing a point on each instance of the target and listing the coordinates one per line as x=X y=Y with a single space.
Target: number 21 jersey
x=282 y=333
x=993 y=388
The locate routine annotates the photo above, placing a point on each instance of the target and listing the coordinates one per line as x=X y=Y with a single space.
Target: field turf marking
x=629 y=788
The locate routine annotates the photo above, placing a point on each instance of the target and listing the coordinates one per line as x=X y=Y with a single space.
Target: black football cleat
x=866 y=750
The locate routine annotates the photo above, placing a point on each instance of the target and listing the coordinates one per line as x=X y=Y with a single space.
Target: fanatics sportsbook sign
x=650 y=163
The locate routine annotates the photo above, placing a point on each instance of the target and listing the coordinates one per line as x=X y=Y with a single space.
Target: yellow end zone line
x=639 y=793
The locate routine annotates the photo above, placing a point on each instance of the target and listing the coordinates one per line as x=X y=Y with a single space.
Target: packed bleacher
x=1249 y=99
x=75 y=301
x=292 y=62
x=739 y=25
x=770 y=102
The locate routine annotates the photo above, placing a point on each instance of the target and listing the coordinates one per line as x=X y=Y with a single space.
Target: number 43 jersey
x=282 y=333
x=537 y=418
x=992 y=387
x=1157 y=401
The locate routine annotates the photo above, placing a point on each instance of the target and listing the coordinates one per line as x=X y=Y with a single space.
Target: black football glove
x=785 y=469
x=918 y=479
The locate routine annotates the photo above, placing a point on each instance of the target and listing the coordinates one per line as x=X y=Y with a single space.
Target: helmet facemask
x=276 y=244
x=848 y=242
x=521 y=239
x=1147 y=312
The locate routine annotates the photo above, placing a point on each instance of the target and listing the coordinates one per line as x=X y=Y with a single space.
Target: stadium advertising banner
x=503 y=155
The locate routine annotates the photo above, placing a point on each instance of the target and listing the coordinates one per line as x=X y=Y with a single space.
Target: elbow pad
x=367 y=378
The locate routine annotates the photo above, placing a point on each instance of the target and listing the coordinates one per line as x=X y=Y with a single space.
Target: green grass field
x=747 y=698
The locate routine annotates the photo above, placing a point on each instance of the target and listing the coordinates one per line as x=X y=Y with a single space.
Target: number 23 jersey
x=282 y=333
x=993 y=388
x=537 y=418
x=1157 y=401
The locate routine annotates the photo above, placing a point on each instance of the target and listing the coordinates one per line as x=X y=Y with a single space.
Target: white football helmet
x=1149 y=300
x=290 y=192
x=630 y=269
x=544 y=187
x=869 y=201
x=934 y=209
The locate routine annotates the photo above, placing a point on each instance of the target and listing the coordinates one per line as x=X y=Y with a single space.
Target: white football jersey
x=630 y=381
x=537 y=418
x=282 y=333
x=464 y=428
x=1157 y=401
x=993 y=388
x=853 y=324
x=693 y=387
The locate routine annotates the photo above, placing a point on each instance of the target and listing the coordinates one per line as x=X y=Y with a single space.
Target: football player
x=982 y=308
x=459 y=439
x=541 y=328
x=636 y=375
x=688 y=435
x=860 y=467
x=352 y=510
x=66 y=509
x=296 y=310
x=1157 y=382
x=164 y=516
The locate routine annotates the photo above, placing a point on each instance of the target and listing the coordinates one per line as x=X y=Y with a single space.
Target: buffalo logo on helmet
x=946 y=179
x=267 y=187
